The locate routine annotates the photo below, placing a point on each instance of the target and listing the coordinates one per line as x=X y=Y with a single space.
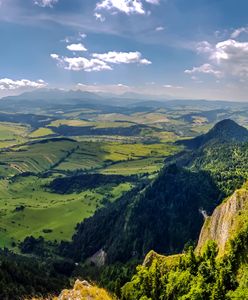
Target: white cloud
x=125 y=6
x=159 y=28
x=205 y=68
x=122 y=57
x=98 y=61
x=99 y=17
x=76 y=47
x=226 y=58
x=232 y=56
x=80 y=63
x=236 y=33
x=10 y=84
x=54 y=56
x=204 y=47
x=45 y=3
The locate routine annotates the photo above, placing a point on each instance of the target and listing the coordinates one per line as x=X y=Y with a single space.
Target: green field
x=41 y=210
x=46 y=210
x=36 y=157
x=12 y=134
x=43 y=131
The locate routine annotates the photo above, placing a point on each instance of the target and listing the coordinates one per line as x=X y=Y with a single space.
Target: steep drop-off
x=218 y=270
x=225 y=222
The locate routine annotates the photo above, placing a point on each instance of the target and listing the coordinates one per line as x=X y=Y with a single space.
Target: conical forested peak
x=223 y=132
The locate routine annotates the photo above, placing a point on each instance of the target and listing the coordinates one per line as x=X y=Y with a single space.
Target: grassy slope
x=12 y=133
x=46 y=210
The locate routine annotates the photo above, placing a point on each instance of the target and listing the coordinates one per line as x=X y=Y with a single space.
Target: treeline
x=78 y=182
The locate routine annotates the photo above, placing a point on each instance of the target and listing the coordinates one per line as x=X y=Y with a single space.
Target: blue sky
x=171 y=48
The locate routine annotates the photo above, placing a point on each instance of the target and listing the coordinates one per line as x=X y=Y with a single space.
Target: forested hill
x=169 y=212
x=225 y=131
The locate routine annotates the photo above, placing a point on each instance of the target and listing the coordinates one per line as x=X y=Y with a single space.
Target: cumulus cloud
x=125 y=6
x=45 y=3
x=232 y=56
x=99 y=62
x=205 y=68
x=10 y=84
x=76 y=47
x=204 y=47
x=80 y=63
x=122 y=57
x=225 y=58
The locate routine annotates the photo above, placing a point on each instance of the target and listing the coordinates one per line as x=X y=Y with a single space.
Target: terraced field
x=12 y=134
x=36 y=157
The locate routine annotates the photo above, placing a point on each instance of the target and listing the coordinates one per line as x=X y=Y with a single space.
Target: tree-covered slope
x=224 y=131
x=205 y=275
x=169 y=212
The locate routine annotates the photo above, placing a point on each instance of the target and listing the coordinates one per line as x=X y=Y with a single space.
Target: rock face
x=226 y=219
x=98 y=259
x=82 y=290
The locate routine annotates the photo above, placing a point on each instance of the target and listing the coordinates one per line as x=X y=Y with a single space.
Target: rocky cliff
x=226 y=220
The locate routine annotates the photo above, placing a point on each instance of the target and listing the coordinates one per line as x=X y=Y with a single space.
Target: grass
x=83 y=123
x=36 y=158
x=28 y=208
x=12 y=134
x=69 y=122
x=132 y=167
x=46 y=210
x=41 y=132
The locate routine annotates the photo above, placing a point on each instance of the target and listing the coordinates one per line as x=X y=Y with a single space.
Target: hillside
x=204 y=275
x=224 y=131
x=169 y=212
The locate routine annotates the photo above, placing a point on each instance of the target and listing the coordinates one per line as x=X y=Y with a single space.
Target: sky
x=194 y=49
